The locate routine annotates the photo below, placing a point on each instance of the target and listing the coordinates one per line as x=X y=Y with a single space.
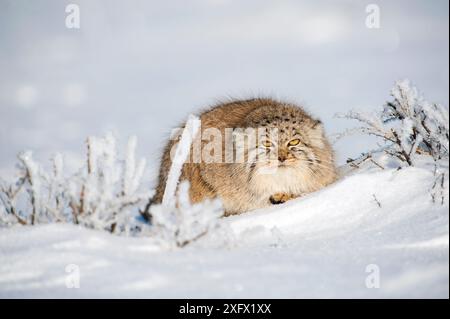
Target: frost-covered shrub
x=104 y=194
x=180 y=224
x=107 y=193
x=408 y=126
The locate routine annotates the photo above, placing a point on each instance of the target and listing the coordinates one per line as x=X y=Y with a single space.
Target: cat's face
x=287 y=139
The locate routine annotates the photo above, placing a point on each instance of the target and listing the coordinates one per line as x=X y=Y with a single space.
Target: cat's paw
x=280 y=198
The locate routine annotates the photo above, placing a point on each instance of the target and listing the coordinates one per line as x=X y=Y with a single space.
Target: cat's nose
x=281 y=158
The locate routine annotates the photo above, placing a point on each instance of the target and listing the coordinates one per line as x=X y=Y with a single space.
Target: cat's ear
x=317 y=124
x=317 y=133
x=318 y=127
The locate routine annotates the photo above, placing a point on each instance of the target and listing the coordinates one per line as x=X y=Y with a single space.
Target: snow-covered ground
x=375 y=233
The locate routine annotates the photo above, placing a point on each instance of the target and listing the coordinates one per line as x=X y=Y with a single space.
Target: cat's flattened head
x=292 y=150
x=289 y=129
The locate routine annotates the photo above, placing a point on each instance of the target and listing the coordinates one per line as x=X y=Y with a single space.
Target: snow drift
x=331 y=243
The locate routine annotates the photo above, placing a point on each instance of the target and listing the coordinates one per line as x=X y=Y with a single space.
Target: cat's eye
x=266 y=143
x=294 y=142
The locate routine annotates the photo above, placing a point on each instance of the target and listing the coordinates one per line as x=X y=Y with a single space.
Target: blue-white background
x=139 y=67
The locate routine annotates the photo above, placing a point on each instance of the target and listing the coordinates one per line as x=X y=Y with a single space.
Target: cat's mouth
x=278 y=165
x=286 y=163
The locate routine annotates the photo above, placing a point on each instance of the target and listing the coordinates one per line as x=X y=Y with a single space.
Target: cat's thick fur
x=299 y=169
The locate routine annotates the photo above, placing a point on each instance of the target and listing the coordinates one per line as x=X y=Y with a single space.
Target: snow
x=327 y=244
